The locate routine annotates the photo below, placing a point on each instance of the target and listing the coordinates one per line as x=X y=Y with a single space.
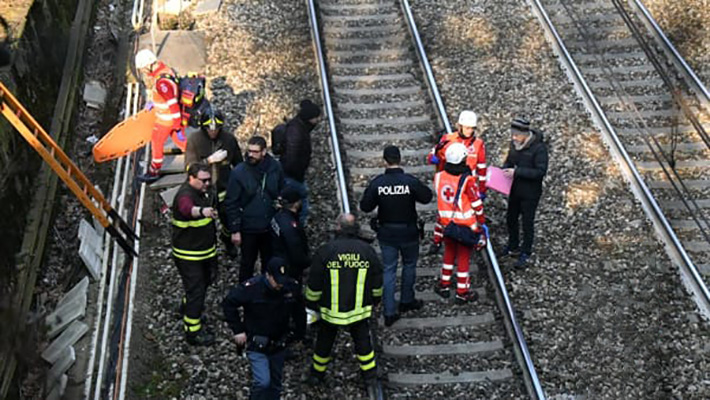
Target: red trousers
x=157 y=142
x=456 y=253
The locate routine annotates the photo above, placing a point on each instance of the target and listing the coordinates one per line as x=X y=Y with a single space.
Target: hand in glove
x=482 y=241
x=433 y=159
x=482 y=196
x=181 y=135
x=217 y=157
x=149 y=105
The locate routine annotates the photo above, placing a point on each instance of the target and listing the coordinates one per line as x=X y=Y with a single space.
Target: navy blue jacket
x=251 y=193
x=290 y=242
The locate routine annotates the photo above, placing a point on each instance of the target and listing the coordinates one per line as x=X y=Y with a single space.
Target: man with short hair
x=253 y=188
x=165 y=94
x=527 y=164
x=217 y=147
x=344 y=284
x=267 y=301
x=395 y=195
x=194 y=248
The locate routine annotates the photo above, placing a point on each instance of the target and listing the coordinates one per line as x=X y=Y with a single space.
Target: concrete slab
x=168 y=196
x=443 y=349
x=60 y=318
x=422 y=323
x=184 y=51
x=69 y=337
x=78 y=290
x=94 y=94
x=172 y=7
x=89 y=235
x=65 y=361
x=207 y=6
x=91 y=259
x=448 y=378
x=58 y=390
x=168 y=181
x=173 y=164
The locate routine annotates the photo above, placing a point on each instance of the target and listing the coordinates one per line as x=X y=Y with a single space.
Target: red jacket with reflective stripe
x=165 y=96
x=468 y=211
x=476 y=159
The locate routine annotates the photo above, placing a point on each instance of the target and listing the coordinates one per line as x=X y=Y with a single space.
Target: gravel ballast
x=606 y=315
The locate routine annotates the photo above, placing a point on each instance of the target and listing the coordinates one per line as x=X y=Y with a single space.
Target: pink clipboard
x=498 y=182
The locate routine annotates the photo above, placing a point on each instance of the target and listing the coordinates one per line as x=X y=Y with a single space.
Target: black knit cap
x=308 y=110
x=520 y=126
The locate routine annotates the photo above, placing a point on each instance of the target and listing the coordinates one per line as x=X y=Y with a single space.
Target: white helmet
x=145 y=58
x=456 y=153
x=468 y=118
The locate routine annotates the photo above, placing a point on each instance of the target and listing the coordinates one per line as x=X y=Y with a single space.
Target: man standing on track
x=395 y=195
x=165 y=99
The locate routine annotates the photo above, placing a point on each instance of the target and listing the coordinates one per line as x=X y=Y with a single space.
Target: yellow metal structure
x=67 y=171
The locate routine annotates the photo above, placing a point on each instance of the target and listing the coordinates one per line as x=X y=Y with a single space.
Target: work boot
x=200 y=338
x=510 y=252
x=412 y=306
x=374 y=389
x=148 y=177
x=434 y=248
x=391 y=319
x=443 y=291
x=522 y=261
x=315 y=379
x=467 y=297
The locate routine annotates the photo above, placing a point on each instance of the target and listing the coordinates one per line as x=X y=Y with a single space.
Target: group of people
x=261 y=203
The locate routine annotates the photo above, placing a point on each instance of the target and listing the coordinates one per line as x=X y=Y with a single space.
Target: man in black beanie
x=296 y=152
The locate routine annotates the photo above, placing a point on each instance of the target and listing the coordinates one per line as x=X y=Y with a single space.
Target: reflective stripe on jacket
x=193 y=238
x=469 y=208
x=165 y=96
x=476 y=159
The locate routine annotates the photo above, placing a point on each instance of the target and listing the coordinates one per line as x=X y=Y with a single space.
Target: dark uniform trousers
x=526 y=207
x=360 y=333
x=196 y=277
x=254 y=245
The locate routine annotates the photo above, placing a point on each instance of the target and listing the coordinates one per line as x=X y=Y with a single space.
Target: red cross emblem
x=448 y=193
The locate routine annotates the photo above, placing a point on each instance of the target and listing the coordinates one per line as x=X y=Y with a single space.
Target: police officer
x=394 y=194
x=267 y=300
x=290 y=243
x=217 y=147
x=194 y=248
x=344 y=283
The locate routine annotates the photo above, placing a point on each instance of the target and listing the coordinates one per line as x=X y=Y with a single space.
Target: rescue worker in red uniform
x=476 y=160
x=165 y=99
x=194 y=248
x=458 y=203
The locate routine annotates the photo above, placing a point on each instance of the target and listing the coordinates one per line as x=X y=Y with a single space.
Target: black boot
x=200 y=338
x=374 y=389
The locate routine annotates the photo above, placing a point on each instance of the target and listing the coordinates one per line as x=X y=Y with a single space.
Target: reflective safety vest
x=468 y=210
x=344 y=279
x=194 y=238
x=476 y=158
x=165 y=96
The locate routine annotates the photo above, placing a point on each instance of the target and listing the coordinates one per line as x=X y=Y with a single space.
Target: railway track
x=654 y=112
x=380 y=96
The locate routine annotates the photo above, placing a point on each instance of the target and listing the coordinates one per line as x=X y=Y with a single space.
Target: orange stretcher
x=126 y=137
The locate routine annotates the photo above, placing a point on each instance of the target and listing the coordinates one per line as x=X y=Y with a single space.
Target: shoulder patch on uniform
x=294 y=224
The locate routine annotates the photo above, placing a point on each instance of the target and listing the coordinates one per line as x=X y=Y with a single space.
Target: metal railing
x=532 y=382
x=690 y=272
x=328 y=108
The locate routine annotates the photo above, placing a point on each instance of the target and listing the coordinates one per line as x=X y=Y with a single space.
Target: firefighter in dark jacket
x=267 y=300
x=295 y=155
x=252 y=191
x=290 y=243
x=527 y=165
x=194 y=248
x=218 y=148
x=344 y=284
x=395 y=195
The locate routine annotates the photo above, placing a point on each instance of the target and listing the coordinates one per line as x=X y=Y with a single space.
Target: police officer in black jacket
x=394 y=194
x=290 y=243
x=267 y=300
x=527 y=164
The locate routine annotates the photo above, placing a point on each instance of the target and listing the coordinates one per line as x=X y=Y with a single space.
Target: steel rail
x=426 y=67
x=532 y=381
x=690 y=274
x=677 y=59
x=328 y=108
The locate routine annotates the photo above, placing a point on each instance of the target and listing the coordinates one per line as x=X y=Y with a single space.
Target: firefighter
x=344 y=284
x=476 y=160
x=458 y=204
x=194 y=248
x=165 y=99
x=267 y=300
x=215 y=146
x=395 y=195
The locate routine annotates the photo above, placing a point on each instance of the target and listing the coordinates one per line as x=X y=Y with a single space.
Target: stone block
x=65 y=361
x=173 y=164
x=172 y=7
x=184 y=51
x=91 y=259
x=94 y=94
x=65 y=315
x=78 y=290
x=168 y=196
x=58 y=390
x=207 y=6
x=71 y=335
x=168 y=181
x=92 y=238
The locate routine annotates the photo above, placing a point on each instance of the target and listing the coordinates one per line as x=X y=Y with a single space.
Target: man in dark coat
x=527 y=165
x=296 y=151
x=253 y=188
